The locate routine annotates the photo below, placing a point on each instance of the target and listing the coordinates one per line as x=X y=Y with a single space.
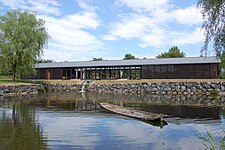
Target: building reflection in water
x=185 y=107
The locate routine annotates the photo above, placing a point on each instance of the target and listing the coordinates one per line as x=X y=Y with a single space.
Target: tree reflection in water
x=19 y=129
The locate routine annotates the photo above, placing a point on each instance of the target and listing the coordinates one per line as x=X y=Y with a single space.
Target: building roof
x=133 y=62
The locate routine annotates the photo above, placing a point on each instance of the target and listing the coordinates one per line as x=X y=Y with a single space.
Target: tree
x=174 y=52
x=44 y=61
x=22 y=40
x=97 y=59
x=213 y=12
x=222 y=58
x=129 y=56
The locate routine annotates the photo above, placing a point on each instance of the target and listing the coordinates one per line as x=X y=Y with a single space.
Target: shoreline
x=160 y=86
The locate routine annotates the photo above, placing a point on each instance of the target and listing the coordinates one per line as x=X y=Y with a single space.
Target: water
x=76 y=121
x=83 y=87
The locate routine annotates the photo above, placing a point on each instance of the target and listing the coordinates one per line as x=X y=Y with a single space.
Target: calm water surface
x=76 y=121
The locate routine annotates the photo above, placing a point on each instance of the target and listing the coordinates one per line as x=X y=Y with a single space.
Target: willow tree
x=213 y=12
x=22 y=39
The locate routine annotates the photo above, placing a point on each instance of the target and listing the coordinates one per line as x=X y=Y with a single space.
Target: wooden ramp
x=142 y=115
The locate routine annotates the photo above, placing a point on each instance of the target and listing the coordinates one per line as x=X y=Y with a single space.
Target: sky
x=83 y=29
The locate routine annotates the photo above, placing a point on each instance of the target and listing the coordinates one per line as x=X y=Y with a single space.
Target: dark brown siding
x=54 y=73
x=180 y=71
x=42 y=74
x=172 y=71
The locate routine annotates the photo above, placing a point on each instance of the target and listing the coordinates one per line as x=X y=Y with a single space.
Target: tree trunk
x=14 y=72
x=14 y=114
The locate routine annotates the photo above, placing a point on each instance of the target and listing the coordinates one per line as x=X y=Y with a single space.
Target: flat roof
x=131 y=62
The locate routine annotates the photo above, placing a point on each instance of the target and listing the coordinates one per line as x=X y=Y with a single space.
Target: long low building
x=163 y=68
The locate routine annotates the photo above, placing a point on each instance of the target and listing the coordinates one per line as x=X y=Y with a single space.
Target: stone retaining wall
x=62 y=87
x=13 y=90
x=161 y=88
x=156 y=88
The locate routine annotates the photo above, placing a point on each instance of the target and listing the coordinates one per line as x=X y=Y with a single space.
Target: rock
x=154 y=89
x=213 y=86
x=167 y=89
x=177 y=88
x=185 y=93
x=222 y=88
x=174 y=92
x=193 y=89
x=207 y=86
x=204 y=90
x=133 y=86
x=163 y=92
x=183 y=88
x=6 y=90
x=23 y=93
x=1 y=92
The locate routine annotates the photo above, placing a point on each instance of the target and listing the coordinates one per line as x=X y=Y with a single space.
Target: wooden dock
x=142 y=115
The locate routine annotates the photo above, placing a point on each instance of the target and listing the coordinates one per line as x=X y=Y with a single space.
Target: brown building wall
x=180 y=71
x=49 y=74
x=176 y=71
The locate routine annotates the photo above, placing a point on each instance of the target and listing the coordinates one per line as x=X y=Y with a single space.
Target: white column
x=76 y=73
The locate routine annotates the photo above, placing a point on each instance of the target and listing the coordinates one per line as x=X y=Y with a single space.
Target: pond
x=68 y=120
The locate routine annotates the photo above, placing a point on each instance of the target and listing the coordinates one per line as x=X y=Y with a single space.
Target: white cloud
x=189 y=15
x=195 y=36
x=86 y=6
x=134 y=26
x=149 y=23
x=41 y=6
x=143 y=5
x=138 y=27
x=68 y=35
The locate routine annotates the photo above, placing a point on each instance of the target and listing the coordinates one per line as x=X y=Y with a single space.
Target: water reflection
x=19 y=129
x=76 y=121
x=166 y=104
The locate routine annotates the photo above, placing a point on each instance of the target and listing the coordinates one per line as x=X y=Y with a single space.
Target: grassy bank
x=79 y=82
x=121 y=81
x=6 y=80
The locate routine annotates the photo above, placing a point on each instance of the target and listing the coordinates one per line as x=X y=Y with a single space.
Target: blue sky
x=83 y=29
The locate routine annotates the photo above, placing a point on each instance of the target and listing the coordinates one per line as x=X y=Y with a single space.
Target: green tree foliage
x=97 y=59
x=22 y=40
x=222 y=58
x=213 y=12
x=131 y=74
x=129 y=56
x=174 y=52
x=44 y=61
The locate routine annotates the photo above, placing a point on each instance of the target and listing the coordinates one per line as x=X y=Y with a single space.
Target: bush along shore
x=155 y=88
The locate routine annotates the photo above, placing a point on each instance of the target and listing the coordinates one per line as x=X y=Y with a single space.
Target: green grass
x=4 y=77
x=213 y=142
x=7 y=80
x=4 y=80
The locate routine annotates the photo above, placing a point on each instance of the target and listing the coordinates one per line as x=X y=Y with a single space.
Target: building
x=164 y=68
